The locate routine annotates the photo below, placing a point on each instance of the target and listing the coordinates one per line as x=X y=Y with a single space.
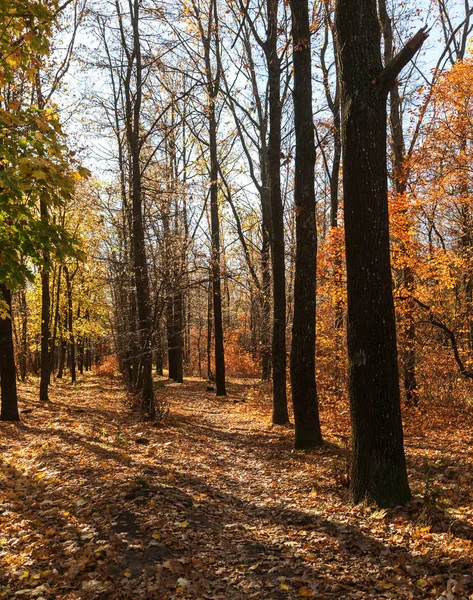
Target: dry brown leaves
x=217 y=505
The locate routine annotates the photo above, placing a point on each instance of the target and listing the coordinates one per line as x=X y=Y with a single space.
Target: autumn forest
x=236 y=299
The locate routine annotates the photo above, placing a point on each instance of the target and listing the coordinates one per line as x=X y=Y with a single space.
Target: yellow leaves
x=385 y=585
x=182 y=524
x=283 y=587
x=127 y=573
x=378 y=515
x=101 y=549
x=155 y=535
x=14 y=59
x=42 y=124
x=306 y=592
x=182 y=583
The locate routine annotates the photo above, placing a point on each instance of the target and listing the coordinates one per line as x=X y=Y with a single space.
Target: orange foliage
x=108 y=367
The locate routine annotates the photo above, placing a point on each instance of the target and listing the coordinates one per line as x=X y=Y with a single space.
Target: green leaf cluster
x=35 y=164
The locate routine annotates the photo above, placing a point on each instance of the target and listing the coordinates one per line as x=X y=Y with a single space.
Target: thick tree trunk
x=379 y=466
x=9 y=409
x=280 y=414
x=304 y=391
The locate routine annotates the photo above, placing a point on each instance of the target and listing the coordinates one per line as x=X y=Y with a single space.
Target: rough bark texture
x=379 y=466
x=304 y=391
x=280 y=414
x=9 y=410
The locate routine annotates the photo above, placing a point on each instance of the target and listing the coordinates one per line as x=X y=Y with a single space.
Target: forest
x=236 y=299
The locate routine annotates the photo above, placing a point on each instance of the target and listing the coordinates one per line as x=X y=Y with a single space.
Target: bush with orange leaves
x=108 y=367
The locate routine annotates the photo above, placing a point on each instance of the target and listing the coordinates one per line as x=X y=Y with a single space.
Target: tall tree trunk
x=304 y=391
x=45 y=314
x=379 y=466
x=9 y=410
x=212 y=74
x=133 y=112
x=280 y=414
x=215 y=259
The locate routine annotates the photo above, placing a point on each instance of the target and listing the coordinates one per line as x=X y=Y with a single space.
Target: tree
x=209 y=38
x=36 y=165
x=304 y=390
x=378 y=463
x=133 y=104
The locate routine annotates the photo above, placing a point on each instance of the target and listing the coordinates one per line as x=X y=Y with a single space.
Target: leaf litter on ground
x=218 y=505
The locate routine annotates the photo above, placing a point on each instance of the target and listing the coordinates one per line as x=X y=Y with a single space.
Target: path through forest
x=217 y=505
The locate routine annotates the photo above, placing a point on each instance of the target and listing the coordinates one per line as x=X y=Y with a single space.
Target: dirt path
x=217 y=504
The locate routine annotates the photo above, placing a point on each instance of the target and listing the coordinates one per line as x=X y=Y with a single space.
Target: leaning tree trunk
x=379 y=466
x=9 y=410
x=304 y=391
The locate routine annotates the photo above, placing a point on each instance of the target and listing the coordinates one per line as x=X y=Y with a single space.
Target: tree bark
x=378 y=462
x=133 y=112
x=45 y=314
x=215 y=258
x=303 y=384
x=9 y=409
x=280 y=414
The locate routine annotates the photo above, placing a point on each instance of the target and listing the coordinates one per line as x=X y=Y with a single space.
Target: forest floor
x=216 y=504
